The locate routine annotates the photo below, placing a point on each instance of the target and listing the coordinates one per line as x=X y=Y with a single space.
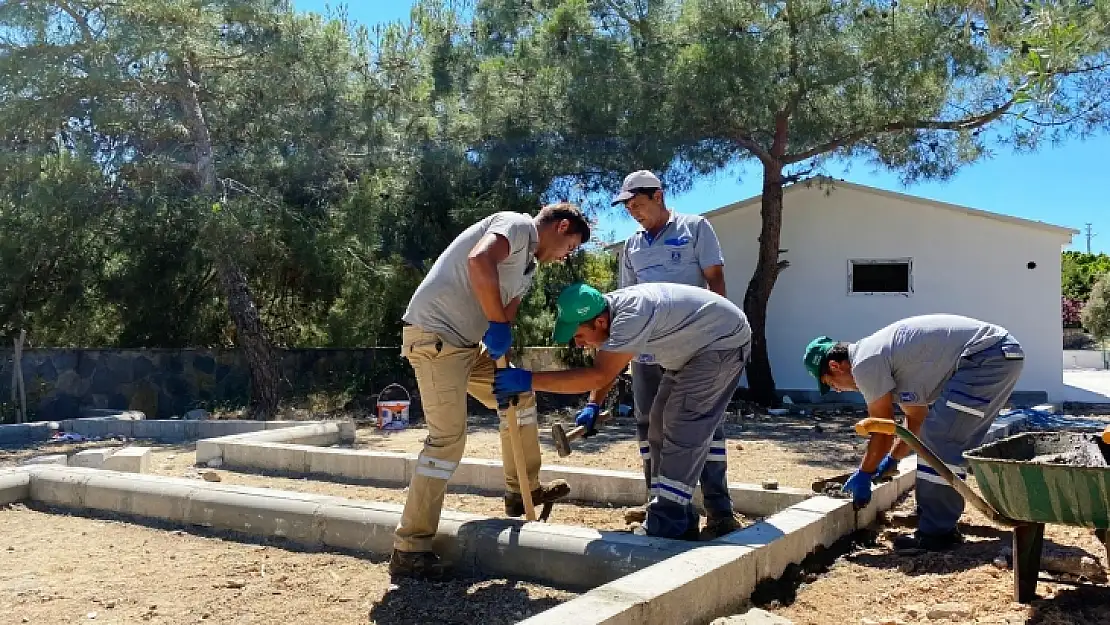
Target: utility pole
x=1089 y=235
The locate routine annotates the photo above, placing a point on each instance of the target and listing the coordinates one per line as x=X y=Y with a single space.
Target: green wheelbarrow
x=1028 y=480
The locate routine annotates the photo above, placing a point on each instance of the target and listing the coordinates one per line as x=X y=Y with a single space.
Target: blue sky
x=1058 y=185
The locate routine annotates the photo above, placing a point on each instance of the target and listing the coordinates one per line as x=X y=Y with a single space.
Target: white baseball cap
x=642 y=179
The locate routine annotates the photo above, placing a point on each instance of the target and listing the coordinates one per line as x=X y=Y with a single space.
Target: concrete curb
x=566 y=556
x=289 y=432
x=171 y=430
x=15 y=485
x=618 y=488
x=706 y=582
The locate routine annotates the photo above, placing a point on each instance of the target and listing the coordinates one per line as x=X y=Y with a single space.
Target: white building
x=862 y=257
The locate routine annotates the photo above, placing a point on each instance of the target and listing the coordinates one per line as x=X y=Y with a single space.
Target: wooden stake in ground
x=508 y=413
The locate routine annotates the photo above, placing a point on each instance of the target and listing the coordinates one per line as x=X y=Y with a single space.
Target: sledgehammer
x=563 y=438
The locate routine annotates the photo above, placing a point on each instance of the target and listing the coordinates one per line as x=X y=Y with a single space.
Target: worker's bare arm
x=607 y=366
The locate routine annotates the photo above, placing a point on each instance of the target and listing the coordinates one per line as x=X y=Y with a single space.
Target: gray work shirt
x=445 y=302
x=678 y=253
x=667 y=324
x=912 y=358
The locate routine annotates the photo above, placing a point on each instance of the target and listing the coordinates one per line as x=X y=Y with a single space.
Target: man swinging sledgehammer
x=951 y=375
x=699 y=338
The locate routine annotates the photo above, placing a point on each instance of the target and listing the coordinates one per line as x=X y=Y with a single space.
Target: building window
x=887 y=276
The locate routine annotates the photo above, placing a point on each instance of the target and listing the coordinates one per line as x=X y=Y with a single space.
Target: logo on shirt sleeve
x=646 y=358
x=907 y=397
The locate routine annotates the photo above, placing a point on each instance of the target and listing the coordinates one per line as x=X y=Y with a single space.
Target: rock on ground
x=755 y=616
x=950 y=611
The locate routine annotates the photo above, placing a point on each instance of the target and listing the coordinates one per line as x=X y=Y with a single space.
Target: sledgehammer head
x=562 y=445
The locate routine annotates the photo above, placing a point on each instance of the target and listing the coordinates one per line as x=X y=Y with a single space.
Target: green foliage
x=1096 y=313
x=345 y=159
x=536 y=318
x=1079 y=271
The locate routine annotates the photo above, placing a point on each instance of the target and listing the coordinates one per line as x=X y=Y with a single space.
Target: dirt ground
x=867 y=585
x=56 y=568
x=793 y=450
x=872 y=585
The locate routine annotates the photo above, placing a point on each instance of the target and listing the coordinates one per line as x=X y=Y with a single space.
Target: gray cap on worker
x=642 y=179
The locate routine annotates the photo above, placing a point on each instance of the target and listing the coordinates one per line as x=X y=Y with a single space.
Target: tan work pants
x=445 y=375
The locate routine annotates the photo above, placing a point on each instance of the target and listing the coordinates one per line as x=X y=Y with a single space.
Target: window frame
x=908 y=261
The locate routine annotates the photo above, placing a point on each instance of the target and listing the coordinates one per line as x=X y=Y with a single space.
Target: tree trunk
x=251 y=337
x=250 y=334
x=761 y=381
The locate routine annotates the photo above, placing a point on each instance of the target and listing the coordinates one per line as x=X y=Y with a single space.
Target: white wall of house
x=1085 y=359
x=962 y=263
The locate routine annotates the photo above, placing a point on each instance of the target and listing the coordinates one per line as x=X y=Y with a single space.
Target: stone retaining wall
x=168 y=382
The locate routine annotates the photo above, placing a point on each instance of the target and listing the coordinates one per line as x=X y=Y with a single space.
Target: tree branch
x=82 y=22
x=968 y=123
x=757 y=150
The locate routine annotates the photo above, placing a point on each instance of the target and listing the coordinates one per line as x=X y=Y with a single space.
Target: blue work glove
x=510 y=382
x=498 y=338
x=860 y=487
x=587 y=417
x=888 y=464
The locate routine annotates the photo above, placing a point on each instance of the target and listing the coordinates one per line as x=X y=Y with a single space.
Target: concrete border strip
x=312 y=433
x=568 y=556
x=718 y=578
x=618 y=488
x=15 y=485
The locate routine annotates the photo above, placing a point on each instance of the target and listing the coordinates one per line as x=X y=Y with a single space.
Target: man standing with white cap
x=682 y=249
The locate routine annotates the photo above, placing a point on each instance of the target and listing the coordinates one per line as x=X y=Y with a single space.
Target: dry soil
x=56 y=568
x=970 y=584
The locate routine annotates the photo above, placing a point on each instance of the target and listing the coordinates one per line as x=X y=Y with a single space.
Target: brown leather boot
x=423 y=565
x=546 y=493
x=636 y=515
x=715 y=527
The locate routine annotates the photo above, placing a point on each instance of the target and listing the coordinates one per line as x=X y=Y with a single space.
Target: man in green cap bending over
x=699 y=338
x=951 y=375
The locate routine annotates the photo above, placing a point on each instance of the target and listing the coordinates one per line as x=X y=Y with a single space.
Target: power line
x=1089 y=235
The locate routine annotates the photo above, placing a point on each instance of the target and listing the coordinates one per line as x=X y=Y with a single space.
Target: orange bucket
x=393 y=414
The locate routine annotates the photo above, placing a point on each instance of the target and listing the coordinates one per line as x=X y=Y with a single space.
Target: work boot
x=919 y=541
x=636 y=515
x=423 y=565
x=546 y=493
x=715 y=527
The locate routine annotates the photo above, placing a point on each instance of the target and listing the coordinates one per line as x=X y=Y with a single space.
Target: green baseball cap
x=816 y=351
x=577 y=304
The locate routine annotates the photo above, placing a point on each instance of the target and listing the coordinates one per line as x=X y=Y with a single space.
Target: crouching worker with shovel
x=699 y=338
x=951 y=376
x=458 y=323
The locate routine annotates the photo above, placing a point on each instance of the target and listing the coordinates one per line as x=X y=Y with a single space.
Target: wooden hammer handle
x=518 y=451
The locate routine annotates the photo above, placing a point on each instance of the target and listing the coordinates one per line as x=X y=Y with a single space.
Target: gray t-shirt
x=912 y=358
x=668 y=324
x=679 y=253
x=445 y=302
